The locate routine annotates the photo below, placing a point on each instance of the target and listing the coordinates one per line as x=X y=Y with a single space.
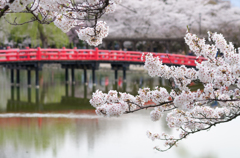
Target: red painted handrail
x=13 y=55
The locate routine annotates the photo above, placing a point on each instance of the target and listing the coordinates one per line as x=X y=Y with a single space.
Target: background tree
x=65 y=14
x=37 y=34
x=170 y=18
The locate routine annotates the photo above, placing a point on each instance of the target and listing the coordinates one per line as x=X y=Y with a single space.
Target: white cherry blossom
x=187 y=111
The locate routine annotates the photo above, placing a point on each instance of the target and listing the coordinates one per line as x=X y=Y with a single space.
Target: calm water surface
x=57 y=121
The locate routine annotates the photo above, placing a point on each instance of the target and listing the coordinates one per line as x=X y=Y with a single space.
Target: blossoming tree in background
x=65 y=14
x=187 y=111
x=169 y=18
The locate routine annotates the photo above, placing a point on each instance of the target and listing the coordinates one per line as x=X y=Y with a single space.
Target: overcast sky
x=235 y=3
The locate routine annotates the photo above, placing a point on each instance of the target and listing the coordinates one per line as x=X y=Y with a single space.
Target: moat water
x=57 y=121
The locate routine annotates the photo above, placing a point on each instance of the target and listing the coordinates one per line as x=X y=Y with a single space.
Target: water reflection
x=57 y=96
x=57 y=120
x=67 y=102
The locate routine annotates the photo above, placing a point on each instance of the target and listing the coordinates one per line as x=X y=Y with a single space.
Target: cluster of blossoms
x=170 y=140
x=65 y=14
x=187 y=111
x=89 y=34
x=114 y=103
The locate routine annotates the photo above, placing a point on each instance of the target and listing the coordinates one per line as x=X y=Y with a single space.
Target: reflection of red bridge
x=13 y=55
x=33 y=59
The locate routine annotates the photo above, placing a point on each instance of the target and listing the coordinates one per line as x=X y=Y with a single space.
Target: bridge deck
x=11 y=56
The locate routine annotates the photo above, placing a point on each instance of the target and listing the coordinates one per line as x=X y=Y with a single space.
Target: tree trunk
x=43 y=37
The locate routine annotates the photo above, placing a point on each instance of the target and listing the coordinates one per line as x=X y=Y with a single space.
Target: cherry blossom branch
x=187 y=111
x=187 y=133
x=148 y=106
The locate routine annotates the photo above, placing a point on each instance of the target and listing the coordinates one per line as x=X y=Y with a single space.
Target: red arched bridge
x=103 y=56
x=33 y=59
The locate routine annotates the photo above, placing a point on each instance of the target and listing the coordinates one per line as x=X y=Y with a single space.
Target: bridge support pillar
x=66 y=90
x=18 y=93
x=18 y=78
x=66 y=76
x=116 y=75
x=93 y=77
x=73 y=76
x=12 y=92
x=85 y=76
x=93 y=89
x=37 y=96
x=37 y=77
x=85 y=91
x=124 y=86
x=115 y=85
x=124 y=74
x=73 y=90
x=12 y=76
x=29 y=95
x=29 y=77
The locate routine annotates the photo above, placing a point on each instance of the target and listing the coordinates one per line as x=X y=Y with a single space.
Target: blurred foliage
x=39 y=35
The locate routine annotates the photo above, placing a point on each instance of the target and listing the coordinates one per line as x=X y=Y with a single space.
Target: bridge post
x=29 y=77
x=73 y=76
x=38 y=53
x=96 y=53
x=124 y=74
x=37 y=96
x=85 y=91
x=116 y=74
x=12 y=76
x=66 y=75
x=85 y=76
x=37 y=77
x=124 y=86
x=115 y=85
x=18 y=77
x=18 y=93
x=66 y=90
x=93 y=77
x=29 y=94
x=93 y=89
x=12 y=92
x=73 y=91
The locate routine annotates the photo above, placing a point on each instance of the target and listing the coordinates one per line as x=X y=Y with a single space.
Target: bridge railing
x=11 y=55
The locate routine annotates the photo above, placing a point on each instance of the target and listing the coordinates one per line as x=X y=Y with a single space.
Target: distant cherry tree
x=169 y=18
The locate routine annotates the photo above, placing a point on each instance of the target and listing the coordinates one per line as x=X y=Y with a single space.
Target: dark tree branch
x=2 y=12
x=149 y=106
